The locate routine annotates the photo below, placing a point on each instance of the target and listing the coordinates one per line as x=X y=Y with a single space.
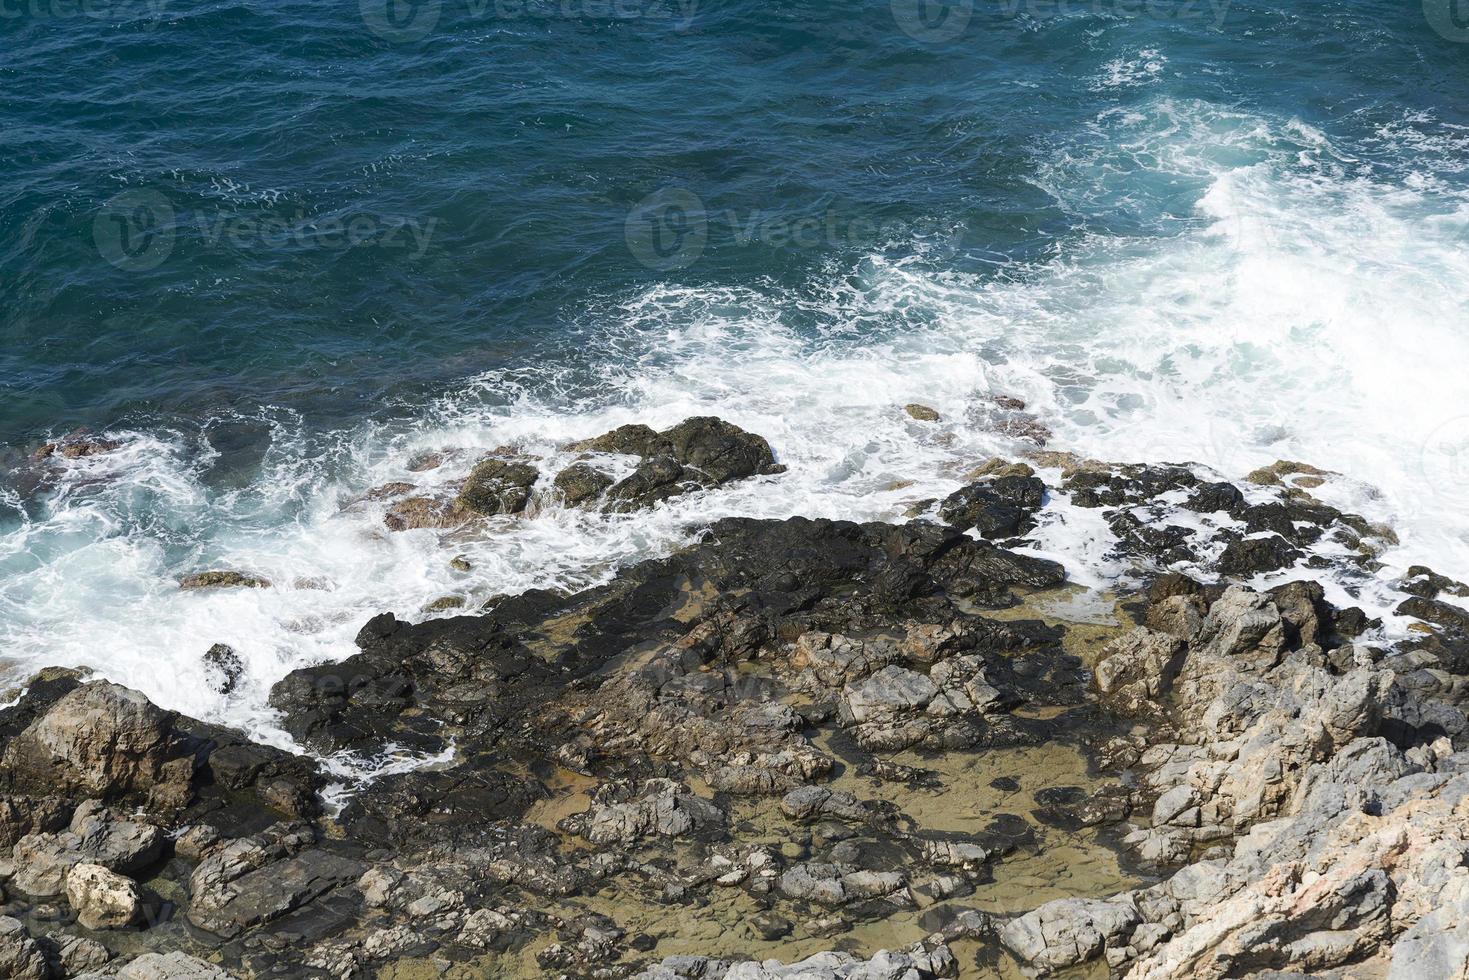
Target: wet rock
x=998 y=508
x=101 y=898
x=698 y=452
x=223 y=579
x=497 y=486
x=79 y=444
x=225 y=667
x=921 y=413
x=1255 y=556
x=581 y=482
x=445 y=603
x=628 y=440
x=415 y=513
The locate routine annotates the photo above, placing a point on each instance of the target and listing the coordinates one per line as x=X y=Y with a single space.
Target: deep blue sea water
x=275 y=247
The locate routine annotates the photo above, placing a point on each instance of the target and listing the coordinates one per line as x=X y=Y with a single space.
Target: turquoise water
x=272 y=247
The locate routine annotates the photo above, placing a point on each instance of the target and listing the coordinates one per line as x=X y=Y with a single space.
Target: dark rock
x=497 y=486
x=999 y=508
x=581 y=482
x=226 y=667
x=1253 y=556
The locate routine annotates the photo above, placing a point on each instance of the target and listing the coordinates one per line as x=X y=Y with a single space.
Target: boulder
x=1067 y=931
x=95 y=836
x=100 y=738
x=101 y=898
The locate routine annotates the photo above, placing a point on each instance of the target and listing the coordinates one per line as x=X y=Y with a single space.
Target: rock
x=416 y=513
x=890 y=692
x=627 y=440
x=999 y=508
x=102 y=899
x=101 y=738
x=79 y=444
x=95 y=837
x=664 y=810
x=255 y=879
x=581 y=482
x=225 y=666
x=445 y=603
x=698 y=452
x=1066 y=932
x=921 y=413
x=223 y=579
x=21 y=957
x=998 y=467
x=171 y=966
x=1255 y=556
x=22 y=815
x=77 y=955
x=497 y=486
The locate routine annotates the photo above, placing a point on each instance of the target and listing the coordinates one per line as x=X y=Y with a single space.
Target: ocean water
x=277 y=248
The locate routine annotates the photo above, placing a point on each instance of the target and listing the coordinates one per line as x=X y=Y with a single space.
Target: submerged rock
x=223 y=579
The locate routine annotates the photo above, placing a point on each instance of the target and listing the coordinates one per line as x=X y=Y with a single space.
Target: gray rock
x=255 y=879
x=21 y=957
x=1067 y=931
x=101 y=737
x=890 y=692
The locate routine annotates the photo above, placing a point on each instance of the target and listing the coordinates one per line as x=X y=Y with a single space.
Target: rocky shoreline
x=798 y=748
